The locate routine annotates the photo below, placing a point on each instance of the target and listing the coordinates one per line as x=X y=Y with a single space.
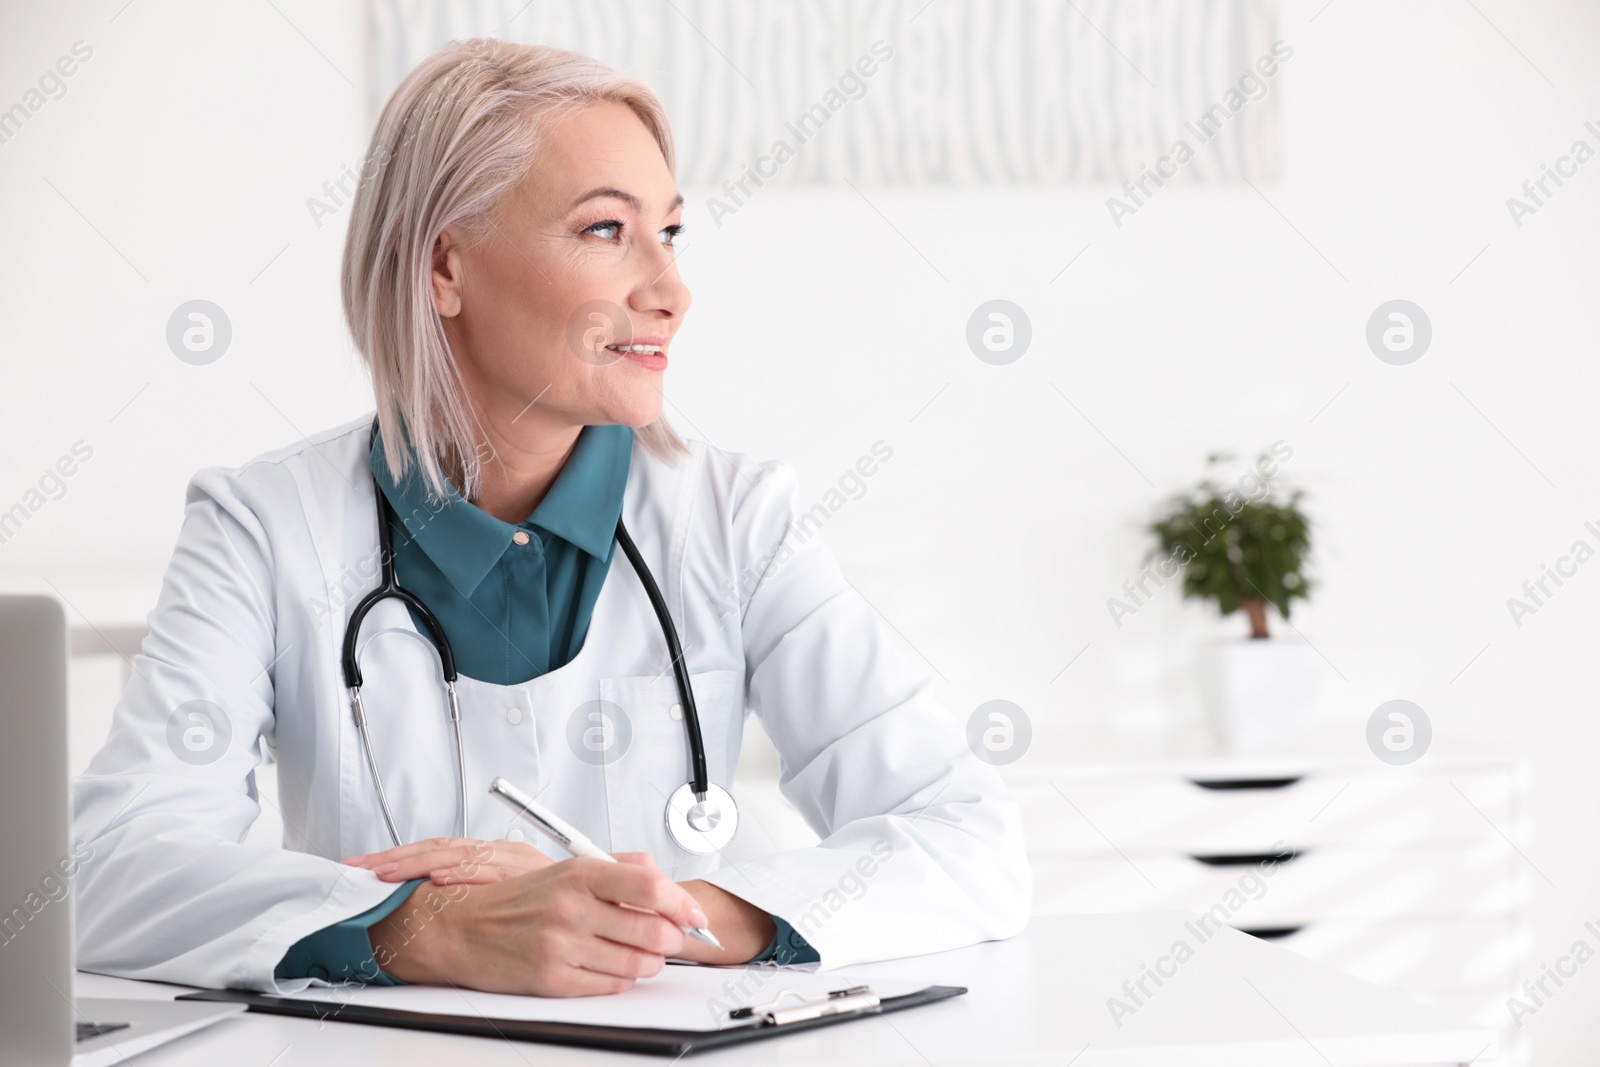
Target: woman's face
x=578 y=257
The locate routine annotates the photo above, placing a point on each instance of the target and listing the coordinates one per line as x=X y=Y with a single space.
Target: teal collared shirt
x=512 y=611
x=514 y=600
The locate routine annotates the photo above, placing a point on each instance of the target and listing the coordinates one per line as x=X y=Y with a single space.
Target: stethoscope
x=701 y=817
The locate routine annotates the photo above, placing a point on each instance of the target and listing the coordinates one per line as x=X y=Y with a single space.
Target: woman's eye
x=611 y=230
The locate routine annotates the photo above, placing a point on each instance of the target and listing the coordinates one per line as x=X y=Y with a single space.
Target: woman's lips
x=650 y=360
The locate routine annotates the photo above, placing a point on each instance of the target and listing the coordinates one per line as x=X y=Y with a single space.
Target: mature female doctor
x=509 y=279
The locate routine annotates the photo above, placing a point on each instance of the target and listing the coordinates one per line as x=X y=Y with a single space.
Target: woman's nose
x=663 y=289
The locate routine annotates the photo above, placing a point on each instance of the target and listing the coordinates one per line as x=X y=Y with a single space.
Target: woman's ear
x=446 y=276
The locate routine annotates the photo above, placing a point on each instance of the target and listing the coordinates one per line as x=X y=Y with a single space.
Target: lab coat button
x=513 y=834
x=520 y=537
x=676 y=711
x=514 y=716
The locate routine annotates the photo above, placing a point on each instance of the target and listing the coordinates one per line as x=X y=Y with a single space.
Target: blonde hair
x=455 y=136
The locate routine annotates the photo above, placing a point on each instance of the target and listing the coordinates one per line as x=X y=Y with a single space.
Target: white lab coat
x=921 y=846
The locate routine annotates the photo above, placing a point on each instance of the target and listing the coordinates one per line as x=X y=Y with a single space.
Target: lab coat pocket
x=648 y=754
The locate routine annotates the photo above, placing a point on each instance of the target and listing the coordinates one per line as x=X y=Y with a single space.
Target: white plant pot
x=1260 y=694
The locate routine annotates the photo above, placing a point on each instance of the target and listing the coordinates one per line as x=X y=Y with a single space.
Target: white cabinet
x=1410 y=877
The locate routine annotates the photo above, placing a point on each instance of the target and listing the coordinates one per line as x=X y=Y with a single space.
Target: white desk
x=1037 y=999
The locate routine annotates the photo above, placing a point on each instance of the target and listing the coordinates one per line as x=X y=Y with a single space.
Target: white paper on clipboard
x=681 y=997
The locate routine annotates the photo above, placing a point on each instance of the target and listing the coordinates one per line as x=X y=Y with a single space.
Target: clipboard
x=785 y=1014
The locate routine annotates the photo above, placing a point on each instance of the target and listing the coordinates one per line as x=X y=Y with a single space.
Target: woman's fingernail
x=385 y=868
x=698 y=917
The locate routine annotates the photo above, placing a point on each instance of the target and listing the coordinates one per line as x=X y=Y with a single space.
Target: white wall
x=1214 y=318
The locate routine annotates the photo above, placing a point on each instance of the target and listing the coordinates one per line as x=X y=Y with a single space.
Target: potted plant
x=1244 y=547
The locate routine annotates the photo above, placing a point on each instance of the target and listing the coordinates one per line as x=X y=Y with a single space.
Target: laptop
x=41 y=1023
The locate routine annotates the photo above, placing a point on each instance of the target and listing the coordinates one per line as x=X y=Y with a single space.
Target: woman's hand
x=575 y=928
x=454 y=860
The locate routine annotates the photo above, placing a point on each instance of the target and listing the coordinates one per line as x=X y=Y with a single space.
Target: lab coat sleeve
x=343 y=952
x=170 y=891
x=921 y=843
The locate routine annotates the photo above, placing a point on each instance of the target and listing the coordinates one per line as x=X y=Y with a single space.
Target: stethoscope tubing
x=698 y=778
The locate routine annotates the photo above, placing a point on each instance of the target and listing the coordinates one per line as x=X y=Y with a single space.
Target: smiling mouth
x=636 y=349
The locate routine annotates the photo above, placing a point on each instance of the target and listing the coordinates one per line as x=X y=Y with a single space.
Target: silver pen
x=568 y=837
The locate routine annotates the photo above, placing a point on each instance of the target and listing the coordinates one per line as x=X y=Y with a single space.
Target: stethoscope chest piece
x=701 y=826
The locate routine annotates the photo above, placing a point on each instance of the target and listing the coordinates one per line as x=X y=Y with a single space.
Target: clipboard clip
x=815 y=1006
